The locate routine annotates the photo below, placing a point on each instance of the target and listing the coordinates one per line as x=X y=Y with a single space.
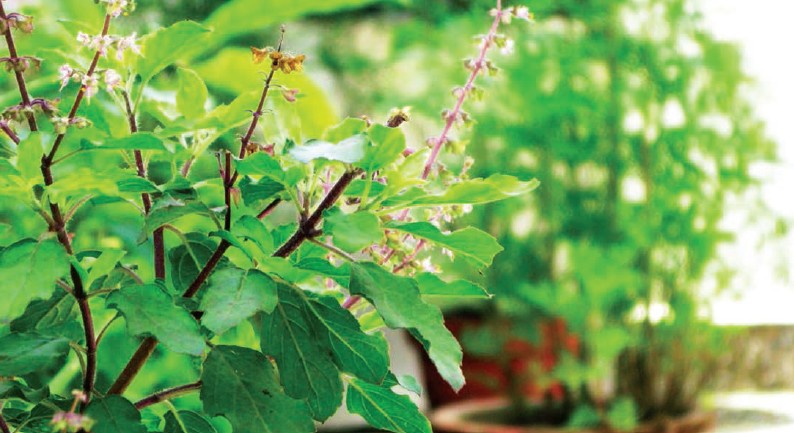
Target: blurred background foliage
x=628 y=112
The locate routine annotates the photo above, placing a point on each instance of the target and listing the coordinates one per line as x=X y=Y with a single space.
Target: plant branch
x=267 y=210
x=334 y=249
x=23 y=88
x=168 y=394
x=47 y=160
x=9 y=132
x=307 y=228
x=157 y=236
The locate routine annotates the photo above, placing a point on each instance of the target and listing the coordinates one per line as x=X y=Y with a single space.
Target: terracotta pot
x=486 y=376
x=460 y=418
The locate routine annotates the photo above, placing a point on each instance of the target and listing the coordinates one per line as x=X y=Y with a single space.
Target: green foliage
x=185 y=219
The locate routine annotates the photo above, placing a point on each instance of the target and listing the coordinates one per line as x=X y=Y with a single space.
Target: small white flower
x=65 y=73
x=467 y=208
x=428 y=266
x=523 y=13
x=116 y=7
x=127 y=43
x=508 y=47
x=112 y=80
x=84 y=39
x=91 y=85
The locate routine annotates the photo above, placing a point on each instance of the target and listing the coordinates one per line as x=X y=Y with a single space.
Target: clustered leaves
x=277 y=310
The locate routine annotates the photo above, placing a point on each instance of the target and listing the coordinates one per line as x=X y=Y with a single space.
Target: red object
x=486 y=376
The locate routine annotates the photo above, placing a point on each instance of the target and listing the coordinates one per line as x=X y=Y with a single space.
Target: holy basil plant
x=252 y=250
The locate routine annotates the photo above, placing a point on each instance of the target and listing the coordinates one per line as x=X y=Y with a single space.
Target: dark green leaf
x=186 y=421
x=340 y=274
x=12 y=389
x=354 y=231
x=398 y=301
x=234 y=295
x=114 y=414
x=232 y=239
x=28 y=271
x=54 y=316
x=149 y=310
x=188 y=259
x=26 y=353
x=291 y=336
x=470 y=243
x=384 y=409
x=254 y=191
x=241 y=385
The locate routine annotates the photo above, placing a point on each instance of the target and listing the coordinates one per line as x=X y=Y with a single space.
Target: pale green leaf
x=349 y=150
x=474 y=191
x=137 y=141
x=354 y=231
x=28 y=271
x=191 y=93
x=431 y=286
x=385 y=146
x=168 y=45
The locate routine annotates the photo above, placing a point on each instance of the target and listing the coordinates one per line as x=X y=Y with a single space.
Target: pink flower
x=65 y=73
x=127 y=43
x=91 y=85
x=112 y=80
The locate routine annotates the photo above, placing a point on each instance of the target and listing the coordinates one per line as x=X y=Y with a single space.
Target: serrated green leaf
x=191 y=93
x=398 y=301
x=241 y=385
x=474 y=191
x=186 y=421
x=137 y=141
x=26 y=353
x=114 y=414
x=150 y=311
x=137 y=185
x=254 y=191
x=234 y=295
x=291 y=336
x=167 y=45
x=470 y=243
x=340 y=274
x=29 y=271
x=386 y=145
x=168 y=209
x=354 y=231
x=349 y=150
x=384 y=409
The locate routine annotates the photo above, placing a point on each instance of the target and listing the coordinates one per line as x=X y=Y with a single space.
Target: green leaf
x=291 y=336
x=232 y=239
x=149 y=310
x=234 y=295
x=241 y=385
x=354 y=231
x=262 y=164
x=103 y=265
x=384 y=409
x=386 y=145
x=347 y=128
x=54 y=316
x=169 y=209
x=114 y=414
x=188 y=259
x=470 y=243
x=252 y=229
x=340 y=274
x=12 y=389
x=254 y=191
x=165 y=46
x=137 y=185
x=474 y=191
x=28 y=271
x=349 y=150
x=186 y=421
x=137 y=141
x=398 y=301
x=26 y=353
x=191 y=93
x=431 y=286
x=29 y=153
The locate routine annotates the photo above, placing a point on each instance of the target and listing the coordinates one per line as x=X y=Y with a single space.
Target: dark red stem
x=23 y=88
x=167 y=394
